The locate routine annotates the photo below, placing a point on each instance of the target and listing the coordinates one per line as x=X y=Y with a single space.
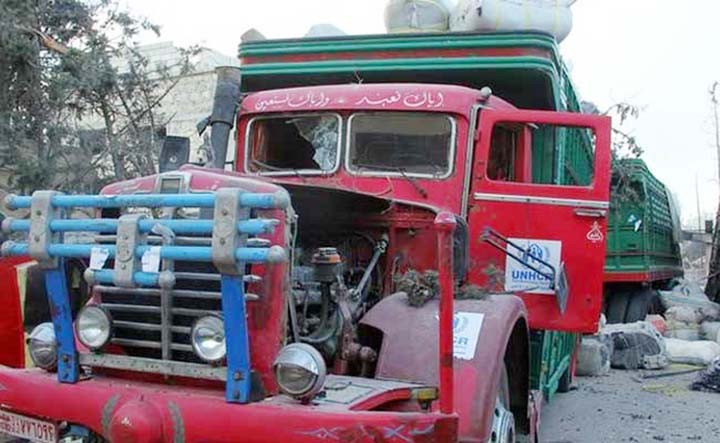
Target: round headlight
x=42 y=346
x=208 y=339
x=94 y=327
x=300 y=371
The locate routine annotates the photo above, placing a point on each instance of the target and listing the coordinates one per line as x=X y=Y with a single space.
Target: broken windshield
x=293 y=144
x=405 y=143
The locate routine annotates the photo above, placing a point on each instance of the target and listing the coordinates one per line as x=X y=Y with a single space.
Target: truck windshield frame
x=290 y=171
x=375 y=169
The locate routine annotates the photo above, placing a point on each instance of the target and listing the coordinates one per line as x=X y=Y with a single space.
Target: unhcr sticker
x=466 y=331
x=523 y=277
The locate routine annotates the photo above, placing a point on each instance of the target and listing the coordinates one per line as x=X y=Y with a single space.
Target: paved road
x=619 y=408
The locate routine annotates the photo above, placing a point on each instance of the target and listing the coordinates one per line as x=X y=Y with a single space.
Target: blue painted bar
x=182 y=253
x=147 y=279
x=180 y=227
x=59 y=299
x=238 y=385
x=196 y=200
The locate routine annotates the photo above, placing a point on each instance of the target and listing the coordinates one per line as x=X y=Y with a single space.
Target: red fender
x=409 y=351
x=12 y=334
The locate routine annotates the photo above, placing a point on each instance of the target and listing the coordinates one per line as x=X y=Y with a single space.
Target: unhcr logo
x=532 y=256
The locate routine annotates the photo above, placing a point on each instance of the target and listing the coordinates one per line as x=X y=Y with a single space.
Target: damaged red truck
x=393 y=239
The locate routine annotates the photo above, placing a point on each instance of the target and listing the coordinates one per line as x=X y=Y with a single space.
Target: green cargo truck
x=643 y=250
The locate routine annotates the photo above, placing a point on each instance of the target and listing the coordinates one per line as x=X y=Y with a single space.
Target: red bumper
x=125 y=411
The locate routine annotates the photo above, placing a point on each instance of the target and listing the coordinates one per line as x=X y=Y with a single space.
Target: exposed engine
x=339 y=271
x=332 y=287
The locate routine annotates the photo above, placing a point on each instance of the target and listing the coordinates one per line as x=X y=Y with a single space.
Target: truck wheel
x=503 y=429
x=617 y=307
x=642 y=303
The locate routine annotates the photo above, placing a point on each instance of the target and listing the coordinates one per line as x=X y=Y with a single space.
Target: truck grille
x=137 y=319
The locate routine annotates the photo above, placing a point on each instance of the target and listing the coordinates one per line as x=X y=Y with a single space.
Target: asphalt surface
x=622 y=407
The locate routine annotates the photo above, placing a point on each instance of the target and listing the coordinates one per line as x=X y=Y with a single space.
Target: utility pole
x=712 y=289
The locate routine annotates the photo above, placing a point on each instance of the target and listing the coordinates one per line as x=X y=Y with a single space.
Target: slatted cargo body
x=642 y=228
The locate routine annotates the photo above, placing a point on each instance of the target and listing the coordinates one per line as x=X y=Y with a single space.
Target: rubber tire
x=504 y=392
x=617 y=307
x=641 y=303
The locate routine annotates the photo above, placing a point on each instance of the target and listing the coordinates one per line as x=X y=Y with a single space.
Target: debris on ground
x=683 y=322
x=658 y=322
x=687 y=293
x=637 y=346
x=710 y=330
x=419 y=287
x=709 y=379
x=692 y=352
x=594 y=356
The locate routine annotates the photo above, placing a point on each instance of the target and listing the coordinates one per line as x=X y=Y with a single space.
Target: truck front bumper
x=129 y=411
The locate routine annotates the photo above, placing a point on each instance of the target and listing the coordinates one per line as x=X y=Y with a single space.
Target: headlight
x=208 y=339
x=42 y=346
x=300 y=371
x=94 y=327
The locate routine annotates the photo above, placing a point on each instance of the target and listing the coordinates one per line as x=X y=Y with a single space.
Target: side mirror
x=709 y=227
x=175 y=153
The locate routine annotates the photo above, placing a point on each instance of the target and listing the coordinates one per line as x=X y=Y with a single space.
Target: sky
x=659 y=55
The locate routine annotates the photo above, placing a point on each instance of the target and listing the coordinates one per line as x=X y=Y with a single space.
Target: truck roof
x=387 y=97
x=524 y=68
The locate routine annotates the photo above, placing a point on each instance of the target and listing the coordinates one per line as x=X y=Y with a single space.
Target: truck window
x=293 y=143
x=401 y=143
x=541 y=154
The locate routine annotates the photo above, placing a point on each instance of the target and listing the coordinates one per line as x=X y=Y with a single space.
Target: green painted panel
x=641 y=231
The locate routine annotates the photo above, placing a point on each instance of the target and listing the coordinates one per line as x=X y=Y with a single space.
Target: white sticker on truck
x=521 y=277
x=466 y=332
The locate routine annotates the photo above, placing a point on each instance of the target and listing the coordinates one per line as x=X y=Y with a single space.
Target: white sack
x=417 y=15
x=551 y=16
x=692 y=352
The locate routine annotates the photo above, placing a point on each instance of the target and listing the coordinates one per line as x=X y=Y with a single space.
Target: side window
x=541 y=154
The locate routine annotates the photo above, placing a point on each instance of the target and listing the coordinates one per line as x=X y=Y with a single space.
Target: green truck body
x=523 y=68
x=643 y=249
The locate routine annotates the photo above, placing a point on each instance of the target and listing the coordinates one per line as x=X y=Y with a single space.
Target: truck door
x=537 y=209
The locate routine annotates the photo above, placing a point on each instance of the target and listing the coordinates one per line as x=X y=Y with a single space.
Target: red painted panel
x=501 y=207
x=12 y=334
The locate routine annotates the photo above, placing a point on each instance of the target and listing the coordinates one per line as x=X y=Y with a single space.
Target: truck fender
x=409 y=351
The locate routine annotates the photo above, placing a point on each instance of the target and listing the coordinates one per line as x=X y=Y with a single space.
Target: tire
x=503 y=430
x=617 y=307
x=642 y=303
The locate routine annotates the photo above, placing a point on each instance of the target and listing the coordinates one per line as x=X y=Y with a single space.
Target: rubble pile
x=687 y=333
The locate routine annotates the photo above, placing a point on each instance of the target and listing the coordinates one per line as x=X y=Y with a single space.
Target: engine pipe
x=444 y=227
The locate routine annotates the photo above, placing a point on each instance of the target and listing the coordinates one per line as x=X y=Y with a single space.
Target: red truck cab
x=420 y=251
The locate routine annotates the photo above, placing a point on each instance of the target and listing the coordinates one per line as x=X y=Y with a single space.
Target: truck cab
x=374 y=267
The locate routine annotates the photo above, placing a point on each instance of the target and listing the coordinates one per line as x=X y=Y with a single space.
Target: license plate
x=27 y=428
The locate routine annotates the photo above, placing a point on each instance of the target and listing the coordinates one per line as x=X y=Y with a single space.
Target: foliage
x=624 y=146
x=71 y=112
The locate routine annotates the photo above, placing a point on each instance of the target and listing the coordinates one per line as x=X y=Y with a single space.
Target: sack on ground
x=692 y=352
x=637 y=346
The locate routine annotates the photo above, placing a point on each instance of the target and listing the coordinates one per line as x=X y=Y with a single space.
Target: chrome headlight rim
x=305 y=357
x=196 y=346
x=105 y=314
x=43 y=335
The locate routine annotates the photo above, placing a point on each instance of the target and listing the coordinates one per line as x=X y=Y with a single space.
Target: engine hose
x=330 y=334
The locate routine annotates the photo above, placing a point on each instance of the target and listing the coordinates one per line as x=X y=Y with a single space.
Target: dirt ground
x=622 y=407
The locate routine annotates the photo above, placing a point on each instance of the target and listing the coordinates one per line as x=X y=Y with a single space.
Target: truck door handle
x=593 y=213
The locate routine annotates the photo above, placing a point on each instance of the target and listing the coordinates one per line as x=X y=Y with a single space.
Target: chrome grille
x=137 y=312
